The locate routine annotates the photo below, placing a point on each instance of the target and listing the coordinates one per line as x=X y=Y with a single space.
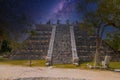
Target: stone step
x=62 y=53
x=38 y=44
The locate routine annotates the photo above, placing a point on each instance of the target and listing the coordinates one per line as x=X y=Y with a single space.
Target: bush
x=5 y=49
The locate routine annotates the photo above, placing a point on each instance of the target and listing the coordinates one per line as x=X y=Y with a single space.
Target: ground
x=10 y=72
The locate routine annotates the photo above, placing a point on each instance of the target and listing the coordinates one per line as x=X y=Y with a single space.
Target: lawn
x=81 y=66
x=113 y=65
x=21 y=62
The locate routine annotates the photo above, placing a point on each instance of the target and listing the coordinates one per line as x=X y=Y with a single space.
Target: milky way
x=44 y=10
x=65 y=9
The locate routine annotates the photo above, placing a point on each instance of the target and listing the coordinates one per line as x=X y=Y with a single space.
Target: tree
x=58 y=21
x=32 y=33
x=67 y=21
x=49 y=22
x=5 y=48
x=10 y=16
x=28 y=44
x=114 y=40
x=98 y=19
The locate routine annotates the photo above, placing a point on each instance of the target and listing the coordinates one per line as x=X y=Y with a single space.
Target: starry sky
x=44 y=10
x=40 y=11
x=36 y=11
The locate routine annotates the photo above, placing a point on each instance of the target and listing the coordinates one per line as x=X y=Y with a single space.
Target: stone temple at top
x=62 y=44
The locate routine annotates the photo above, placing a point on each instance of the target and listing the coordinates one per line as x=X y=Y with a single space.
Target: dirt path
x=14 y=72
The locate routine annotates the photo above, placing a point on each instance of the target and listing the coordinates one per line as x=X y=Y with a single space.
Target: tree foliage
x=48 y=22
x=11 y=15
x=58 y=21
x=114 y=40
x=5 y=46
x=102 y=14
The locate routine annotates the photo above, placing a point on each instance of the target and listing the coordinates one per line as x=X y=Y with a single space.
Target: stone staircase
x=62 y=53
x=86 y=47
x=35 y=46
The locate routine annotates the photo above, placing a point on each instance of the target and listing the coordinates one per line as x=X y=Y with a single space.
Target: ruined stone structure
x=62 y=44
x=86 y=46
x=36 y=46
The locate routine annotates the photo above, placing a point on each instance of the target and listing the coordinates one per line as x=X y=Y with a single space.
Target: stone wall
x=86 y=46
x=36 y=46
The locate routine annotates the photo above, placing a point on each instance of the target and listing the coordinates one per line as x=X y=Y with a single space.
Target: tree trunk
x=30 y=61
x=97 y=54
x=30 y=57
x=0 y=38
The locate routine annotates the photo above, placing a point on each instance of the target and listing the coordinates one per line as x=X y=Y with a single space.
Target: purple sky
x=40 y=11
x=36 y=11
x=44 y=10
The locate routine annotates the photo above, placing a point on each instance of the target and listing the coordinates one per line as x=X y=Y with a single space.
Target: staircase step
x=62 y=53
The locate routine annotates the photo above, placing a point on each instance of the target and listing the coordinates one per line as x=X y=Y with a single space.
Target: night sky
x=44 y=10
x=40 y=11
x=36 y=11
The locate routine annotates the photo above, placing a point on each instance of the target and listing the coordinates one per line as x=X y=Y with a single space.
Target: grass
x=65 y=66
x=113 y=65
x=21 y=62
x=81 y=66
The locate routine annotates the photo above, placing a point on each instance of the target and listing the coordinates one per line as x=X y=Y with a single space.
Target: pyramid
x=62 y=44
